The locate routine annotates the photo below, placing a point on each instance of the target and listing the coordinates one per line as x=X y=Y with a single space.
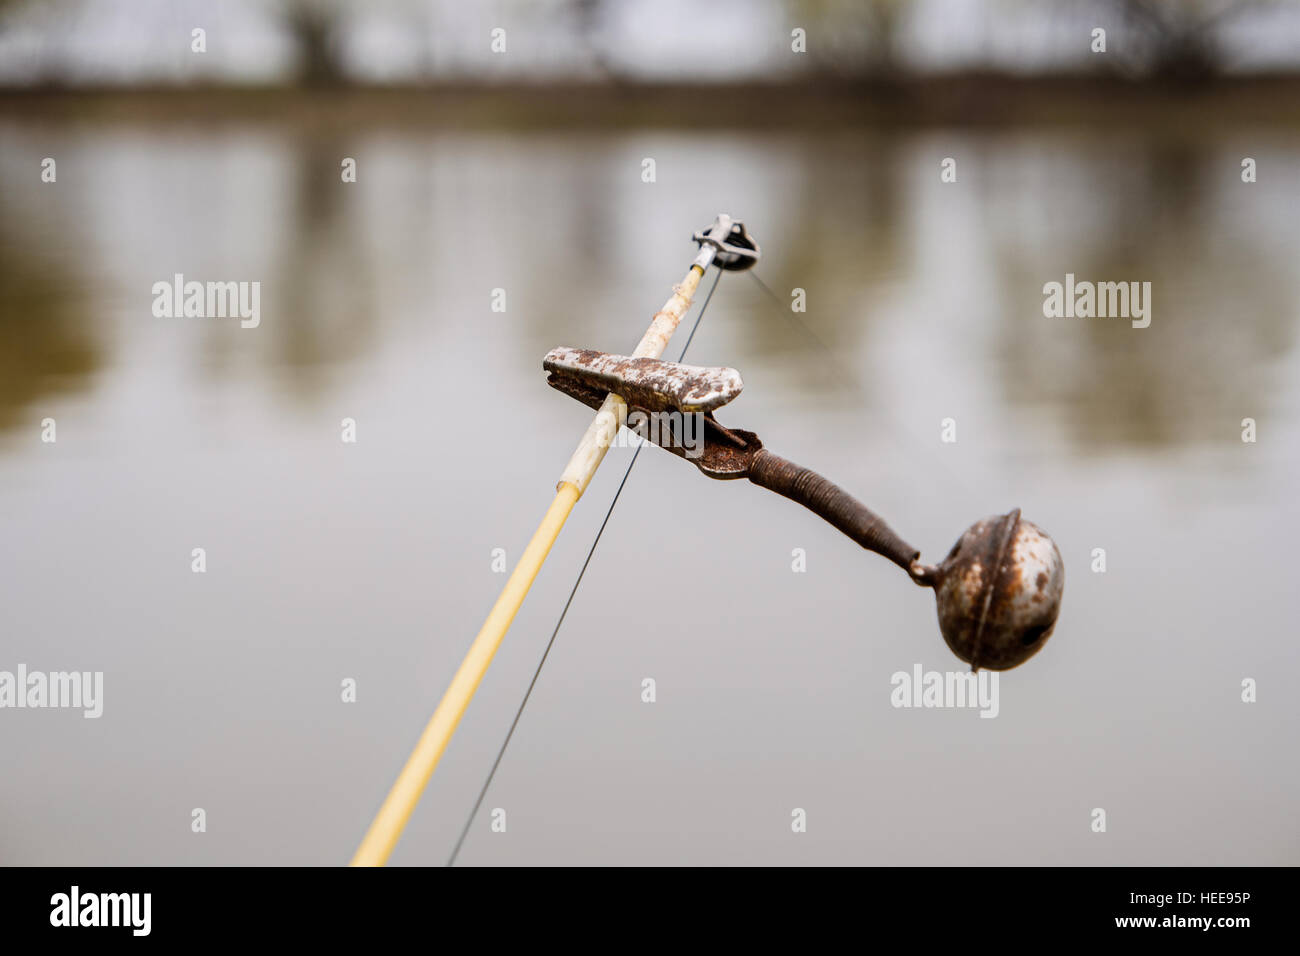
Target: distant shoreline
x=968 y=100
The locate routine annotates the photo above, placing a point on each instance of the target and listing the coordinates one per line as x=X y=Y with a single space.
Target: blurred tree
x=590 y=18
x=1175 y=40
x=851 y=38
x=314 y=27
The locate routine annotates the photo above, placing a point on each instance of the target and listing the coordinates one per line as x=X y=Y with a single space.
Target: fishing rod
x=726 y=244
x=997 y=593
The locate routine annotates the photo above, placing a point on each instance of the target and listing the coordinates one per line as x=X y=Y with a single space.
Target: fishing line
x=482 y=794
x=793 y=318
x=851 y=381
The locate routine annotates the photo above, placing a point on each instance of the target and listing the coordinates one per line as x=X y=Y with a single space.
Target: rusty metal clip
x=649 y=383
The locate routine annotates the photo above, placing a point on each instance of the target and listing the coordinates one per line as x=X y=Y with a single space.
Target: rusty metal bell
x=999 y=591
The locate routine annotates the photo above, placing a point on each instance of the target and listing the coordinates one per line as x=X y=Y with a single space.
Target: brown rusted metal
x=998 y=592
x=834 y=504
x=730 y=454
x=725 y=452
x=649 y=383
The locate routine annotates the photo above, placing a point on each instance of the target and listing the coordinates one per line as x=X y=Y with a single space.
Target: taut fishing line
x=851 y=381
x=482 y=794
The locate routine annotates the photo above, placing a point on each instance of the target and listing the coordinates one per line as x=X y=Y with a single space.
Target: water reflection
x=322 y=272
x=47 y=343
x=1165 y=211
x=373 y=560
x=437 y=220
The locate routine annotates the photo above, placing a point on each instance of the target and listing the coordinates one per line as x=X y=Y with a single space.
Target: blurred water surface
x=372 y=561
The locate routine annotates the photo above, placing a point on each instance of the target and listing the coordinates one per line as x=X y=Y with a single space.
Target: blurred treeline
x=337 y=43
